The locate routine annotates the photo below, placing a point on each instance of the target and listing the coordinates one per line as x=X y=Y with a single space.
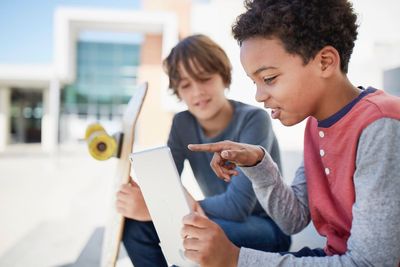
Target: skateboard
x=103 y=146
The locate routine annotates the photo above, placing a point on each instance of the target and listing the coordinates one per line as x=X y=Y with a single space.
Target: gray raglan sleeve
x=286 y=205
x=375 y=232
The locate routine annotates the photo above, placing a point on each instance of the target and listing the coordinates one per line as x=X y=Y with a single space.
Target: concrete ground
x=52 y=207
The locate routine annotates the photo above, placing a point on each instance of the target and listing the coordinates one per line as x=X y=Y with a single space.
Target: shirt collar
x=342 y=112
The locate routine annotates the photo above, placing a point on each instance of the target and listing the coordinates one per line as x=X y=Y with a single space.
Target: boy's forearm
x=252 y=258
x=278 y=199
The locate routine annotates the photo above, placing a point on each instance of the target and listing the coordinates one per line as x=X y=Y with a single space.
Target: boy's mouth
x=275 y=113
x=202 y=103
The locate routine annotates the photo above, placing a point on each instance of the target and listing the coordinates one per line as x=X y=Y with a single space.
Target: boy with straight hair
x=297 y=53
x=199 y=72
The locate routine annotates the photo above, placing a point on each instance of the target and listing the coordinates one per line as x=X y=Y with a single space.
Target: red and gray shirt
x=348 y=186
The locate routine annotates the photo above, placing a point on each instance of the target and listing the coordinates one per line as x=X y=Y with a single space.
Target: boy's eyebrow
x=262 y=69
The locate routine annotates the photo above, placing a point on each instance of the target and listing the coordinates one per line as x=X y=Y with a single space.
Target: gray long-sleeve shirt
x=236 y=200
x=375 y=231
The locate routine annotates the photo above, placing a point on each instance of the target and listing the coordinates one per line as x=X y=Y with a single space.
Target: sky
x=26 y=27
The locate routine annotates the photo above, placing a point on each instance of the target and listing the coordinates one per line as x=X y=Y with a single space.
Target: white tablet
x=156 y=174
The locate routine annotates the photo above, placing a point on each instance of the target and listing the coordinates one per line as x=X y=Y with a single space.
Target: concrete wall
x=378 y=46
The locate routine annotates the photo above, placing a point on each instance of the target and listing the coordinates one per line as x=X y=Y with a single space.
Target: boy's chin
x=289 y=122
x=292 y=121
x=203 y=116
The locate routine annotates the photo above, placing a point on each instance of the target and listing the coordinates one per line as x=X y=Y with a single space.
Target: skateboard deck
x=103 y=146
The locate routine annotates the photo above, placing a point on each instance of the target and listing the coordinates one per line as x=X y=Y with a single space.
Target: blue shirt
x=235 y=200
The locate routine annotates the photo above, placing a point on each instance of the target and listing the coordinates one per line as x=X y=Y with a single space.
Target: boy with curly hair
x=297 y=53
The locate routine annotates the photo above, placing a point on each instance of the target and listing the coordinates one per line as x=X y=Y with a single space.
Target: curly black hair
x=303 y=26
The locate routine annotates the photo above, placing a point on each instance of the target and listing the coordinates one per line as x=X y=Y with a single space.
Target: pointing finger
x=211 y=147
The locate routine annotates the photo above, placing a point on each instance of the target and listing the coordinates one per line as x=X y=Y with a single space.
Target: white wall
x=378 y=44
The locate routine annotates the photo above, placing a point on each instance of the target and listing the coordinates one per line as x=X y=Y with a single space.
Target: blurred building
x=89 y=80
x=107 y=74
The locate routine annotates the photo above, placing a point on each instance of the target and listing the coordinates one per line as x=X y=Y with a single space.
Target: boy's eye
x=184 y=86
x=269 y=80
x=205 y=79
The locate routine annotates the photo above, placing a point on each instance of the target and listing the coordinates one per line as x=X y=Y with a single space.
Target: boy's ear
x=328 y=60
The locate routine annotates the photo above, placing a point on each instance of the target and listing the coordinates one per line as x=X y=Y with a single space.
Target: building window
x=106 y=78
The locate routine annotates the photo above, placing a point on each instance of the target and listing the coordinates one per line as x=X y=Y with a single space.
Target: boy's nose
x=198 y=89
x=261 y=94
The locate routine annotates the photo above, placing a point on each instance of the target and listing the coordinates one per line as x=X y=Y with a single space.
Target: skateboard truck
x=101 y=145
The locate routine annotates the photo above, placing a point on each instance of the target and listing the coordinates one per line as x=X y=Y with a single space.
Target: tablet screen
x=156 y=174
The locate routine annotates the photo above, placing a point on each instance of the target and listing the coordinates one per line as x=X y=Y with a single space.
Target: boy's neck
x=338 y=95
x=215 y=125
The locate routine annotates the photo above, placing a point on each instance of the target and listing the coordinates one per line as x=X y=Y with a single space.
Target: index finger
x=210 y=147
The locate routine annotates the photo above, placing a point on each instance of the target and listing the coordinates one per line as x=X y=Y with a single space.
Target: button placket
x=321 y=134
x=322 y=152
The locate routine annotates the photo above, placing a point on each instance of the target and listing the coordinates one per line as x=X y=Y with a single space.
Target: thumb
x=132 y=183
x=238 y=157
x=199 y=210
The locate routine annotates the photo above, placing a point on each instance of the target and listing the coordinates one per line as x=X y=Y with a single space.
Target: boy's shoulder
x=384 y=103
x=183 y=116
x=368 y=109
x=375 y=106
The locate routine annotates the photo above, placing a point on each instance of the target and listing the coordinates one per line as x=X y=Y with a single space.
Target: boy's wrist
x=260 y=155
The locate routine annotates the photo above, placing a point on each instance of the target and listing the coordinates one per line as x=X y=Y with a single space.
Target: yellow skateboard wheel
x=101 y=145
x=94 y=127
